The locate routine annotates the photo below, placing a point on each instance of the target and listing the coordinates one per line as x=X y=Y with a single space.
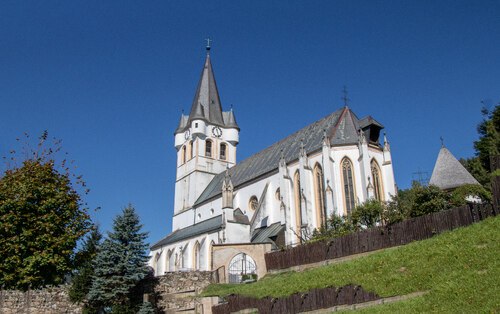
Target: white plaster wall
x=237 y=233
x=187 y=247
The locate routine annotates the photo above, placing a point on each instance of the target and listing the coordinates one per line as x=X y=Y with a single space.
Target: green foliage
x=459 y=269
x=476 y=169
x=487 y=145
x=428 y=199
x=120 y=265
x=489 y=137
x=82 y=279
x=336 y=226
x=368 y=214
x=146 y=308
x=459 y=196
x=41 y=220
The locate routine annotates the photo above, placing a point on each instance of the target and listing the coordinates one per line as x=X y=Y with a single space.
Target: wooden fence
x=404 y=232
x=298 y=302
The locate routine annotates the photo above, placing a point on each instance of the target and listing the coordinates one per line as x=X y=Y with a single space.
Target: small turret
x=227 y=191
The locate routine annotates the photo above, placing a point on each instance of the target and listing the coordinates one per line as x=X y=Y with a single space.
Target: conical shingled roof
x=449 y=173
x=206 y=103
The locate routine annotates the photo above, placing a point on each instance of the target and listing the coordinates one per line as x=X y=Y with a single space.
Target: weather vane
x=344 y=97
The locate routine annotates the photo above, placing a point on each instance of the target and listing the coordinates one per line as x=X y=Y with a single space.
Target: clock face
x=217 y=132
x=187 y=134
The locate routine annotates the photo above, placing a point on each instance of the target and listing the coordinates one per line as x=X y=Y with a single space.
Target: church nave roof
x=341 y=127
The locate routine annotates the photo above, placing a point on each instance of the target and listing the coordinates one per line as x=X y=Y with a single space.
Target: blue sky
x=111 y=78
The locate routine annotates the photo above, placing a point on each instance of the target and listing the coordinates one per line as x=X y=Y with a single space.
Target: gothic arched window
x=223 y=151
x=196 y=255
x=319 y=195
x=208 y=148
x=170 y=261
x=176 y=261
x=348 y=183
x=191 y=151
x=210 y=251
x=297 y=192
x=377 y=181
x=184 y=257
x=183 y=154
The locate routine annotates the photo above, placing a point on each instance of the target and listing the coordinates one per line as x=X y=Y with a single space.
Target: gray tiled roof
x=206 y=103
x=264 y=234
x=209 y=225
x=449 y=173
x=341 y=127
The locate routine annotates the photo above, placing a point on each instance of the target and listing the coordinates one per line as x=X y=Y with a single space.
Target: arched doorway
x=241 y=268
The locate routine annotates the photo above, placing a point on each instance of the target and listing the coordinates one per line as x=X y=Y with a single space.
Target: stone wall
x=52 y=300
x=178 y=291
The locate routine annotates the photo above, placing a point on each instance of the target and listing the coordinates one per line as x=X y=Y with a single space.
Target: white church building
x=275 y=197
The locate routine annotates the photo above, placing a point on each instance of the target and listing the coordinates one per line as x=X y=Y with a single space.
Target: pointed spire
x=387 y=147
x=326 y=140
x=206 y=103
x=230 y=120
x=182 y=123
x=362 y=137
x=282 y=159
x=302 y=149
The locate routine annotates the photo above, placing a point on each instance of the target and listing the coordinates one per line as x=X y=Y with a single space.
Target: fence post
x=495 y=182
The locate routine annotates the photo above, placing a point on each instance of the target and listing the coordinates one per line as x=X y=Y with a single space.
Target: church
x=227 y=214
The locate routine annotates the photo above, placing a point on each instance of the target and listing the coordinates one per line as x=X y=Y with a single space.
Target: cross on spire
x=442 y=141
x=344 y=96
x=208 y=44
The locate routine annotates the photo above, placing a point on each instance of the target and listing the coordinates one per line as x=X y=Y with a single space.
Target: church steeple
x=205 y=140
x=206 y=103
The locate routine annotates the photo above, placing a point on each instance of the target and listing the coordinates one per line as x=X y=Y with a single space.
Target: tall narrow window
x=223 y=151
x=191 y=151
x=196 y=255
x=298 y=204
x=184 y=257
x=319 y=195
x=170 y=261
x=377 y=181
x=211 y=252
x=208 y=148
x=348 y=182
x=183 y=155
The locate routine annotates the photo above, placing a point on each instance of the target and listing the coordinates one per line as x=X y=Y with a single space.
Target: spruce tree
x=120 y=264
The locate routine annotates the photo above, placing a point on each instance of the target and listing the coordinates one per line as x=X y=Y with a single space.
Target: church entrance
x=242 y=269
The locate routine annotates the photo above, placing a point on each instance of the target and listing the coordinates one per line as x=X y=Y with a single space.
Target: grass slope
x=460 y=269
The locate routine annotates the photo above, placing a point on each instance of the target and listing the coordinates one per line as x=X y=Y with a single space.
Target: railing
x=404 y=232
x=298 y=302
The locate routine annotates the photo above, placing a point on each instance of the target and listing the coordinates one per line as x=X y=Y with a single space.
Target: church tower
x=205 y=141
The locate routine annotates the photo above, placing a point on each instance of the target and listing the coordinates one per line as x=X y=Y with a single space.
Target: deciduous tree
x=42 y=217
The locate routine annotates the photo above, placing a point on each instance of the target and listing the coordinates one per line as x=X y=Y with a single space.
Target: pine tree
x=120 y=264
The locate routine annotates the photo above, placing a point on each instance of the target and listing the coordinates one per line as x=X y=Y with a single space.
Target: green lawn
x=460 y=269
